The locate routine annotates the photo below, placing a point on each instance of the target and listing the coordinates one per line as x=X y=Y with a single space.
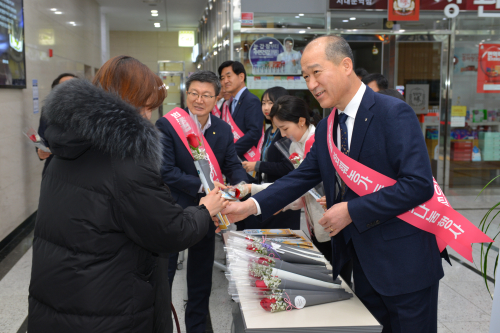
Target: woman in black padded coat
x=104 y=210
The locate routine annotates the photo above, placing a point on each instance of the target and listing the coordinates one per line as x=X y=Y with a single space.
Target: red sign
x=403 y=10
x=488 y=69
x=247 y=19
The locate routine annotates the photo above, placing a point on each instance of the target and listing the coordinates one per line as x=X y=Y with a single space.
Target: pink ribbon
x=435 y=216
x=184 y=125
x=290 y=306
x=253 y=154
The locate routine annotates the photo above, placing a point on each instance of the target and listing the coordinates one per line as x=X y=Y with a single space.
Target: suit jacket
x=396 y=257
x=277 y=164
x=248 y=117
x=178 y=170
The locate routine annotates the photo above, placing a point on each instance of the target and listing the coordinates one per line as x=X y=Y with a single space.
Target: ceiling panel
x=135 y=15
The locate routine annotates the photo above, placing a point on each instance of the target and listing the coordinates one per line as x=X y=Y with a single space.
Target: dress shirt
x=351 y=110
x=207 y=125
x=220 y=102
x=236 y=99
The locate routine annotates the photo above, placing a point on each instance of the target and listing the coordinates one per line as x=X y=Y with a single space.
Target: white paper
x=457 y=122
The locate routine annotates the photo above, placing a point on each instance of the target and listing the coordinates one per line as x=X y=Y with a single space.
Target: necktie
x=233 y=105
x=344 y=148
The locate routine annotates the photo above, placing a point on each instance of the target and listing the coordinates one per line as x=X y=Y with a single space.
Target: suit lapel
x=238 y=105
x=361 y=123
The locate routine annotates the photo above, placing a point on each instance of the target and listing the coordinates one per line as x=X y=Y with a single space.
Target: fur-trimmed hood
x=81 y=115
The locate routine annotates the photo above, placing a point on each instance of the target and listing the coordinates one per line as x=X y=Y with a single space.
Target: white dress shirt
x=350 y=110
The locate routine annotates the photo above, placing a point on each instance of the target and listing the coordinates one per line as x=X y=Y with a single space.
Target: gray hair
x=205 y=76
x=337 y=49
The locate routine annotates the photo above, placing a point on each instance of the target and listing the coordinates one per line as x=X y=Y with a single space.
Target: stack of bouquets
x=258 y=272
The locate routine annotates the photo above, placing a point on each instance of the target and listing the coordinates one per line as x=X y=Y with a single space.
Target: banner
x=434 y=216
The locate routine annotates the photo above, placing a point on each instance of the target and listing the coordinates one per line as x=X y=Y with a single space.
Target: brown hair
x=133 y=81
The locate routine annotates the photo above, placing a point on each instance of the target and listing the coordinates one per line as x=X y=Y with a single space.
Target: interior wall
x=73 y=48
x=149 y=47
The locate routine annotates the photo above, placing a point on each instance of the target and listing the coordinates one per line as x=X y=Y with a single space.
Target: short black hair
x=237 y=67
x=274 y=93
x=382 y=82
x=58 y=79
x=292 y=108
x=393 y=93
x=205 y=76
x=361 y=72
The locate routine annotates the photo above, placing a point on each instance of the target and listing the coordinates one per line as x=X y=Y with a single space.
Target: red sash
x=253 y=154
x=434 y=216
x=184 y=125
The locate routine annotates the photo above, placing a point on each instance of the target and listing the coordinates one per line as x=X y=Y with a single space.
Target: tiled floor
x=464 y=302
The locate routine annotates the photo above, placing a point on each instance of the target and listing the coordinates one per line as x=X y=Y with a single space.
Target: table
x=344 y=316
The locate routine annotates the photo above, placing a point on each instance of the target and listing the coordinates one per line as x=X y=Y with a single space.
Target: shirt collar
x=238 y=95
x=352 y=108
x=207 y=125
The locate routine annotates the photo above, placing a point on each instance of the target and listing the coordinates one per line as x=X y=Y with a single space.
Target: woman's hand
x=219 y=185
x=249 y=166
x=322 y=202
x=43 y=154
x=214 y=202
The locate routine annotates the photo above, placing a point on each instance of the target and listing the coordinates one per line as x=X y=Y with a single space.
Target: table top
x=346 y=313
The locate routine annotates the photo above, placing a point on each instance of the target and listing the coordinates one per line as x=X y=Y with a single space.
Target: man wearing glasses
x=179 y=173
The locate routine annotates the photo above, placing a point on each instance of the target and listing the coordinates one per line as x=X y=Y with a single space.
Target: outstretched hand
x=336 y=218
x=237 y=211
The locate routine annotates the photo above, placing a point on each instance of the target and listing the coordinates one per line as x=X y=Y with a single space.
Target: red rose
x=260 y=284
x=266 y=303
x=33 y=137
x=237 y=193
x=293 y=156
x=263 y=261
x=251 y=248
x=193 y=140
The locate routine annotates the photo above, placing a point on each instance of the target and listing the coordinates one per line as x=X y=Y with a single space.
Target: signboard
x=417 y=96
x=186 y=38
x=247 y=19
x=35 y=96
x=450 y=8
x=488 y=72
x=404 y=10
x=269 y=57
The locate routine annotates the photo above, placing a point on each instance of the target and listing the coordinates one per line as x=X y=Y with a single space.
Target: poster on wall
x=488 y=72
x=465 y=60
x=269 y=57
x=403 y=10
x=247 y=19
x=417 y=96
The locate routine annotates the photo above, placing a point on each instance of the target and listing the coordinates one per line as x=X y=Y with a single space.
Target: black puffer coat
x=103 y=212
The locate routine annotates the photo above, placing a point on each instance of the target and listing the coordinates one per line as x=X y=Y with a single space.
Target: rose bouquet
x=236 y=192
x=281 y=300
x=36 y=139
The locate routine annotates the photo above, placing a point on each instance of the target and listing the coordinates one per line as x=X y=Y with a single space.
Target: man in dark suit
x=179 y=173
x=397 y=266
x=245 y=107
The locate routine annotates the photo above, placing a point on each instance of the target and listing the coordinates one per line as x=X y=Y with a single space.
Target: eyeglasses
x=196 y=95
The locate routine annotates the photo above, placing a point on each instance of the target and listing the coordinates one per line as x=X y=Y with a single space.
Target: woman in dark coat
x=103 y=208
x=273 y=164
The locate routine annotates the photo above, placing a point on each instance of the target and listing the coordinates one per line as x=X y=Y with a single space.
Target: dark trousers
x=199 y=280
x=407 y=313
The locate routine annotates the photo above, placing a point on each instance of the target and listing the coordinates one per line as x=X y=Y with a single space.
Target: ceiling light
x=53 y=9
x=301 y=14
x=58 y=13
x=302 y=32
x=297 y=16
x=215 y=52
x=154 y=14
x=72 y=23
x=157 y=25
x=352 y=18
x=345 y=20
x=308 y=27
x=154 y=11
